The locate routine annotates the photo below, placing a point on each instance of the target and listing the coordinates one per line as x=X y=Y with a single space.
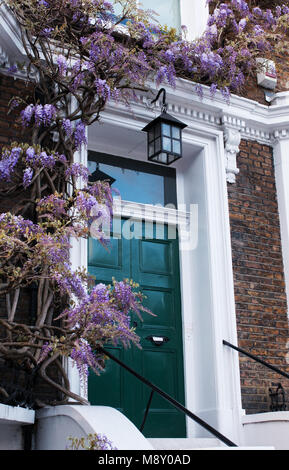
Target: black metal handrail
x=257 y=359
x=175 y=403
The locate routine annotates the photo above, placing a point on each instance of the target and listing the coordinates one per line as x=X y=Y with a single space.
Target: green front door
x=154 y=264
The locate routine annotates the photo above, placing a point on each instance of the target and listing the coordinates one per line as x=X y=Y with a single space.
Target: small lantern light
x=164 y=136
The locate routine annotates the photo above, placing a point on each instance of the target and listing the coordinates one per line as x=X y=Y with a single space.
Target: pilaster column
x=281 y=162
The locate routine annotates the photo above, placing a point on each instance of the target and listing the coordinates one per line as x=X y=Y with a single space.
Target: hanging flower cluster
x=41 y=115
x=102 y=316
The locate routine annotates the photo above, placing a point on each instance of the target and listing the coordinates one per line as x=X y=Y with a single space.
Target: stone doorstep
x=198 y=444
x=183 y=444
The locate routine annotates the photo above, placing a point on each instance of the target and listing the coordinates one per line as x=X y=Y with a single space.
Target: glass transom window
x=136 y=181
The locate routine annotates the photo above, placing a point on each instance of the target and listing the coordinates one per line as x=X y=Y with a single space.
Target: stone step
x=184 y=444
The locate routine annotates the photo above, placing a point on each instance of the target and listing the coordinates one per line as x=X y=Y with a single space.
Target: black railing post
x=146 y=411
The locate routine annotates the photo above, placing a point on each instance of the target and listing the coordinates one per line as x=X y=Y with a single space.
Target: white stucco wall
x=55 y=425
x=267 y=429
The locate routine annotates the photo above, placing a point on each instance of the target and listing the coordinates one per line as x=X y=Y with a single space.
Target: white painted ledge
x=267 y=429
x=16 y=415
x=55 y=425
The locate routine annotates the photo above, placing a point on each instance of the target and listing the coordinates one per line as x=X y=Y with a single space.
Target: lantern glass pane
x=151 y=135
x=162 y=158
x=151 y=149
x=157 y=145
x=167 y=144
x=176 y=132
x=157 y=130
x=166 y=129
x=171 y=158
x=177 y=146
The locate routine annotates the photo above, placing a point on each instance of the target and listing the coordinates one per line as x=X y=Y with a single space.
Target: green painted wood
x=154 y=264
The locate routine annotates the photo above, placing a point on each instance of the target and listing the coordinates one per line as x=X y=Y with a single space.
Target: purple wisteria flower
x=102 y=88
x=85 y=203
x=8 y=162
x=62 y=65
x=30 y=154
x=102 y=315
x=67 y=126
x=242 y=24
x=27 y=177
x=213 y=90
x=199 y=90
x=49 y=114
x=77 y=170
x=43 y=115
x=13 y=68
x=46 y=32
x=47 y=161
x=27 y=114
x=53 y=204
x=80 y=135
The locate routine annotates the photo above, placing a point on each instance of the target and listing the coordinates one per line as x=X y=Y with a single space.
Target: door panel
x=154 y=264
x=157 y=272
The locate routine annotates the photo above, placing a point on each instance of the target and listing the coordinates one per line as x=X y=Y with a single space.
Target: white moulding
x=16 y=415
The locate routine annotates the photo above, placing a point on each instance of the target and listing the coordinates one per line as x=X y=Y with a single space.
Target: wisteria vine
x=84 y=55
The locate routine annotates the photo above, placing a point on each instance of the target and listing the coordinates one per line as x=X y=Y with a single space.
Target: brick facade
x=260 y=297
x=9 y=127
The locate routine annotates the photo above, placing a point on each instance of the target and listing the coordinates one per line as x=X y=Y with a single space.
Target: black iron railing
x=175 y=403
x=257 y=359
x=275 y=395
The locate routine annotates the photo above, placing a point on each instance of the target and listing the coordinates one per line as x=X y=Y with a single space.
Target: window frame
x=169 y=173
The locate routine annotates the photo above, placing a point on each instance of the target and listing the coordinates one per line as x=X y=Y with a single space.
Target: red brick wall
x=260 y=297
x=9 y=127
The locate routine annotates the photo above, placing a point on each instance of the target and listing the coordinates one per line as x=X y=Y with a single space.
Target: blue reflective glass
x=166 y=129
x=135 y=186
x=167 y=144
x=168 y=11
x=177 y=146
x=176 y=132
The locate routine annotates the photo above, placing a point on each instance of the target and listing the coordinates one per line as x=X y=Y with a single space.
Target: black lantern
x=164 y=136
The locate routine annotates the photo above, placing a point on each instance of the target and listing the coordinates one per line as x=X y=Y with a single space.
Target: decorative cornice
x=281 y=134
x=8 y=66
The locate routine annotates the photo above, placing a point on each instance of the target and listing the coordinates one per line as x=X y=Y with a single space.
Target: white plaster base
x=11 y=437
x=267 y=429
x=55 y=425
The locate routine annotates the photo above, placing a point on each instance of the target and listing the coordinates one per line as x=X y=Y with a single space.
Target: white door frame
x=224 y=409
